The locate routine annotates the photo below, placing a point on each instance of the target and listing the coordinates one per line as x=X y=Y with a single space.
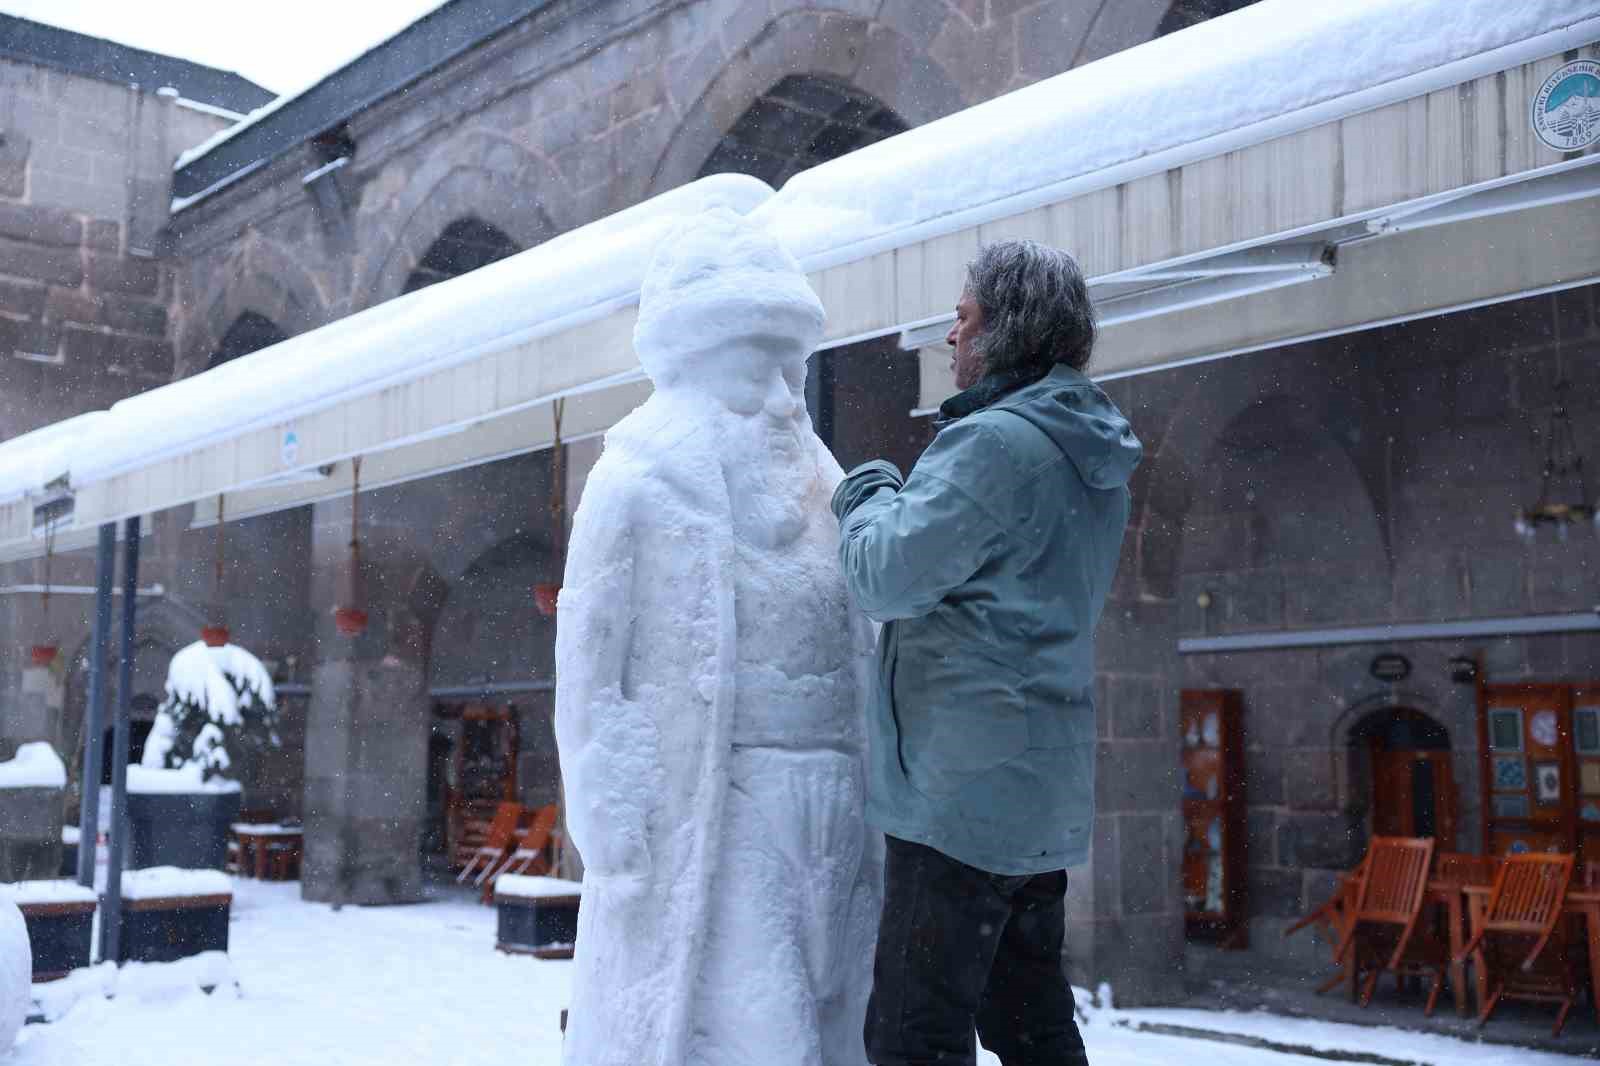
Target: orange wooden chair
x=1383 y=929
x=501 y=830
x=1526 y=905
x=1591 y=874
x=531 y=855
x=1332 y=917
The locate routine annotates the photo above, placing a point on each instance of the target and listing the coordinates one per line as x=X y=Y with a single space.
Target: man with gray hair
x=989 y=567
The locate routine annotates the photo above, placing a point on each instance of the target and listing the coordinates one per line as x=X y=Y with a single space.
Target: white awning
x=1307 y=171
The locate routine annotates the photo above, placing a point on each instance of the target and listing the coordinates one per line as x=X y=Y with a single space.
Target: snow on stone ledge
x=1266 y=62
x=58 y=890
x=577 y=277
x=149 y=780
x=35 y=765
x=519 y=886
x=160 y=882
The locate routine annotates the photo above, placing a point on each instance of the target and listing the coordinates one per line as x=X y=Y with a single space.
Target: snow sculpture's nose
x=779 y=402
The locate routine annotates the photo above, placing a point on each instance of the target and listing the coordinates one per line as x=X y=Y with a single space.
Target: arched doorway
x=465 y=245
x=860 y=396
x=1402 y=761
x=250 y=332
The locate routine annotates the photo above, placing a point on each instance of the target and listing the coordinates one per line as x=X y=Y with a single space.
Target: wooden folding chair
x=1526 y=903
x=531 y=854
x=1332 y=917
x=1387 y=909
x=1591 y=874
x=501 y=829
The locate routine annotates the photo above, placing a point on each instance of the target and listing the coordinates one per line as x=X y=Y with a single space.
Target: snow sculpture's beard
x=770 y=472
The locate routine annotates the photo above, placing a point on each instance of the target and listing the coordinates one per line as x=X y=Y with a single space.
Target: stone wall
x=83 y=307
x=1365 y=479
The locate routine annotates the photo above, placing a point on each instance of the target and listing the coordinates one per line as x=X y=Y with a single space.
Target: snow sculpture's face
x=725 y=310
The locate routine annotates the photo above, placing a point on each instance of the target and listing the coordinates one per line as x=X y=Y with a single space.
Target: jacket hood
x=1083 y=422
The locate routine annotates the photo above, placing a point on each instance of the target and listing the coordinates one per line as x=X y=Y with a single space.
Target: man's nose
x=950 y=338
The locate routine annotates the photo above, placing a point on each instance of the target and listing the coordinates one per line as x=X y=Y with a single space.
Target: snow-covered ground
x=304 y=984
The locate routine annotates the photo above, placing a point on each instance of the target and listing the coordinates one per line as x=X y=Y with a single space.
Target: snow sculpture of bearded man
x=711 y=679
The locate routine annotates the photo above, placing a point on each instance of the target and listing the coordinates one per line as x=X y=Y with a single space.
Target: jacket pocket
x=958 y=718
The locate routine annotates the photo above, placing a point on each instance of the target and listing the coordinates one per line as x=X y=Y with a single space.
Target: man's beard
x=770 y=473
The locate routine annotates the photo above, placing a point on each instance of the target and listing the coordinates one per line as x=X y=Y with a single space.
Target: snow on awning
x=1232 y=162
x=1308 y=170
x=552 y=322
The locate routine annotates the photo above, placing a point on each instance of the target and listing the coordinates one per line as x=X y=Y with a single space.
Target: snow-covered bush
x=16 y=972
x=219 y=708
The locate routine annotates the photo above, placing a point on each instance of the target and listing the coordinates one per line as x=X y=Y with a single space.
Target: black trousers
x=961 y=948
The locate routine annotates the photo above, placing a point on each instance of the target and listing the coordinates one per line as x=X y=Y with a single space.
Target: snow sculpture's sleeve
x=904 y=548
x=607 y=742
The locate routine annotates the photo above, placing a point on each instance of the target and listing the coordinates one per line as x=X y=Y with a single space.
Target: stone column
x=366 y=741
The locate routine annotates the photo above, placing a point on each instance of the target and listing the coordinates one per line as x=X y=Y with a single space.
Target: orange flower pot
x=544 y=598
x=214 y=636
x=42 y=654
x=350 y=621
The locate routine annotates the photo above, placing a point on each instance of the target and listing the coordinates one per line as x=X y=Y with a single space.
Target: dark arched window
x=464 y=246
x=250 y=332
x=800 y=122
x=1185 y=13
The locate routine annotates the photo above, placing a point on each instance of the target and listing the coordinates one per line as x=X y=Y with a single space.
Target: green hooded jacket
x=989 y=568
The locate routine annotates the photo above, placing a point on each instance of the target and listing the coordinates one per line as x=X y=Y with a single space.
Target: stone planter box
x=189 y=830
x=30 y=833
x=170 y=914
x=537 y=915
x=60 y=918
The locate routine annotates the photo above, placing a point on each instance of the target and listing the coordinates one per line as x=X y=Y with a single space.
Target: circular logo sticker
x=1566 y=109
x=291 y=447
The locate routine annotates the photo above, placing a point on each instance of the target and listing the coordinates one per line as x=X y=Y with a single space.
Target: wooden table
x=254 y=841
x=1580 y=902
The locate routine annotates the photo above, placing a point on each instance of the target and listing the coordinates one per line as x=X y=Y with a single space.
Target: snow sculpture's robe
x=647 y=647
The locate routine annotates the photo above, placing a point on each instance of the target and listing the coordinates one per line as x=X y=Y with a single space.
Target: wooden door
x=1413 y=795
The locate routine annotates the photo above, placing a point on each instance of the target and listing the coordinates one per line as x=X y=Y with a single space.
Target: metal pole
x=111 y=908
x=94 y=726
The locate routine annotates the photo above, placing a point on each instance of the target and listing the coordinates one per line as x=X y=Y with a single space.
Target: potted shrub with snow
x=30 y=812
x=219 y=711
x=60 y=917
x=168 y=913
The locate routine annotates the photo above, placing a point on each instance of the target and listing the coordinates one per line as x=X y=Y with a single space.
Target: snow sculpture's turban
x=717 y=280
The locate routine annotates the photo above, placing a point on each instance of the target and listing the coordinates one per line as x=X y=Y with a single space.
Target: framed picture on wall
x=1547 y=783
x=1510 y=773
x=1505 y=729
x=1586 y=723
x=1511 y=806
x=1589 y=777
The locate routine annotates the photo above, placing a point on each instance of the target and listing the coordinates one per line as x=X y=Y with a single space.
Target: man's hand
x=862 y=482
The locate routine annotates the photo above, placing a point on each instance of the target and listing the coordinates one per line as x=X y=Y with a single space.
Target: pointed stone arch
x=867 y=56
x=265 y=280
x=478 y=175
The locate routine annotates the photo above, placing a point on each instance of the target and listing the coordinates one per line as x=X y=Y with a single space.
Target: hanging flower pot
x=42 y=654
x=215 y=633
x=350 y=621
x=544 y=598
x=214 y=636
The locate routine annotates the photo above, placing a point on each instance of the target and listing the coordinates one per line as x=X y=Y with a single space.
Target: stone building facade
x=1350 y=481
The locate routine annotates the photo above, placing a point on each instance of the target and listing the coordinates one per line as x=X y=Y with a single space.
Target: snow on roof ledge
x=1266 y=70
x=576 y=277
x=30 y=462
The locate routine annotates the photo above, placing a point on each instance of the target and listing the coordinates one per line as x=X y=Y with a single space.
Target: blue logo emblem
x=1566 y=109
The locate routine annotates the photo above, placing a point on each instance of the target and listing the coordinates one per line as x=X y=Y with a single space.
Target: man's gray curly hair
x=1035 y=304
